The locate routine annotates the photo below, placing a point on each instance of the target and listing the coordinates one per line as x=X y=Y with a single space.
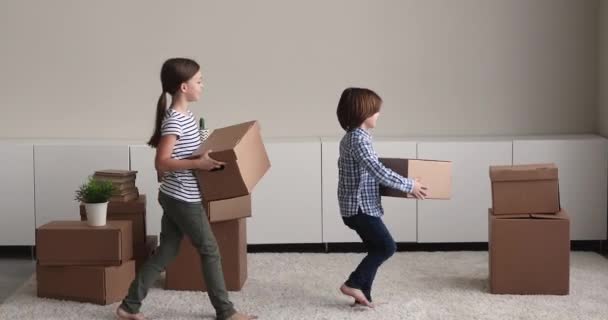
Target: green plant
x=94 y=191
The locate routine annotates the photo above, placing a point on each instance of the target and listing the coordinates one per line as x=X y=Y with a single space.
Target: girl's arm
x=163 y=161
x=364 y=154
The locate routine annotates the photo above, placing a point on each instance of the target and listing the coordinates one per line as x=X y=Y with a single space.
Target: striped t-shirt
x=181 y=184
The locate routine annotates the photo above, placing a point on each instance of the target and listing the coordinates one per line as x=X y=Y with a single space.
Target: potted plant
x=95 y=195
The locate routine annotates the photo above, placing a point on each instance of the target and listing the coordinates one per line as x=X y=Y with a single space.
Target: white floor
x=412 y=285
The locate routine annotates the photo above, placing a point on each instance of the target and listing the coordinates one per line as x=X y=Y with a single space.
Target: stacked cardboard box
x=134 y=211
x=227 y=200
x=83 y=263
x=123 y=182
x=436 y=175
x=529 y=233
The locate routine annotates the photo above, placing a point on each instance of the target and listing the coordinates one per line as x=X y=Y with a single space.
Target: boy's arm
x=364 y=153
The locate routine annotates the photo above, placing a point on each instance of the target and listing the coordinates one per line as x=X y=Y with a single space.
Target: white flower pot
x=96 y=214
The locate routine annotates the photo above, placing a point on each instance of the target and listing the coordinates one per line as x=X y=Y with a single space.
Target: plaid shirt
x=360 y=174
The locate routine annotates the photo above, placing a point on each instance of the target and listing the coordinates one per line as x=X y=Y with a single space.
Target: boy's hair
x=356 y=105
x=173 y=73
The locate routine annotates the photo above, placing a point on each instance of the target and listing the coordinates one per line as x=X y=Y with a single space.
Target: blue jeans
x=380 y=246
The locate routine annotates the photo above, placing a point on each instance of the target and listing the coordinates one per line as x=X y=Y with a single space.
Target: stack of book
x=123 y=182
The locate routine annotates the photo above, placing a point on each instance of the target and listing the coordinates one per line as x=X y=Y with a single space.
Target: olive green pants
x=179 y=218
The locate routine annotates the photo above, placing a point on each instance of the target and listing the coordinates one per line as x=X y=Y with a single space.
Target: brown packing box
x=525 y=189
x=529 y=254
x=100 y=285
x=134 y=211
x=184 y=273
x=241 y=148
x=228 y=209
x=76 y=243
x=434 y=174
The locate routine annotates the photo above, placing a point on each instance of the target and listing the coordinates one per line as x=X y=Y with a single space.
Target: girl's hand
x=205 y=162
x=419 y=190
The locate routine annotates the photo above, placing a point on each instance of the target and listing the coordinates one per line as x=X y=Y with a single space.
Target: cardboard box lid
x=544 y=171
x=224 y=141
x=561 y=215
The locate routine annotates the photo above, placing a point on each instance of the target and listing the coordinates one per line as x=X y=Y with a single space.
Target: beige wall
x=89 y=69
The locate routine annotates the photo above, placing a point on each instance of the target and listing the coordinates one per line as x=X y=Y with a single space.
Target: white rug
x=412 y=285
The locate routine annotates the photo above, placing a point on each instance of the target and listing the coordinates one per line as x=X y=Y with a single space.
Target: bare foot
x=124 y=315
x=242 y=316
x=357 y=294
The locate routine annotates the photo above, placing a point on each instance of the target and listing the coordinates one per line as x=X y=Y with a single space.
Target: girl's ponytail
x=161 y=108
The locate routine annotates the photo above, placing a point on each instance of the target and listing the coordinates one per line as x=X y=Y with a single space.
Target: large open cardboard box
x=241 y=148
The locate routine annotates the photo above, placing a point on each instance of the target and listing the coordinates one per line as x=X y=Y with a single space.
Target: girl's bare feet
x=242 y=316
x=124 y=315
x=357 y=294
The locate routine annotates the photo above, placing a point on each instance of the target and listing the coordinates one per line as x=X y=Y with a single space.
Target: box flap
x=229 y=209
x=546 y=171
x=561 y=215
x=222 y=141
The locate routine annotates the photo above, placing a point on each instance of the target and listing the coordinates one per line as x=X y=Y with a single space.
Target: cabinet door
x=583 y=173
x=464 y=217
x=287 y=201
x=400 y=213
x=142 y=160
x=60 y=169
x=17 y=190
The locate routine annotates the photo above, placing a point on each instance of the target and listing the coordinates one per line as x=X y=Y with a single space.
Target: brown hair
x=356 y=105
x=173 y=73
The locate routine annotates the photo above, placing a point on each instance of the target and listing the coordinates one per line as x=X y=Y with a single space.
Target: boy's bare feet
x=357 y=294
x=242 y=316
x=124 y=315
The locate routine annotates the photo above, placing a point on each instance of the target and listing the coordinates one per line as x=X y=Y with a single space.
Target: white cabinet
x=17 y=216
x=142 y=161
x=286 y=203
x=583 y=172
x=60 y=169
x=399 y=213
x=463 y=218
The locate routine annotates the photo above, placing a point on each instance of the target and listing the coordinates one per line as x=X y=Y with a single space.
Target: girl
x=360 y=174
x=176 y=137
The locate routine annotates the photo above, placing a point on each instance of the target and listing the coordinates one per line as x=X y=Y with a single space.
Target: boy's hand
x=207 y=163
x=419 y=190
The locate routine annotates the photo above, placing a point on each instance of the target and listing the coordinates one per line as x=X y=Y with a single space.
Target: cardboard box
x=525 y=189
x=241 y=148
x=434 y=174
x=184 y=273
x=529 y=254
x=100 y=285
x=228 y=209
x=134 y=211
x=76 y=243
